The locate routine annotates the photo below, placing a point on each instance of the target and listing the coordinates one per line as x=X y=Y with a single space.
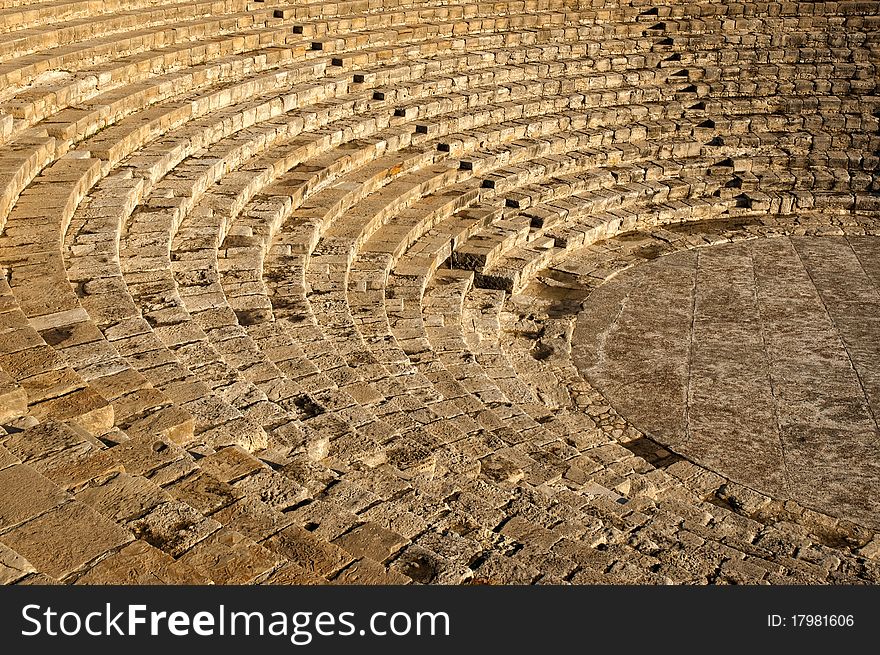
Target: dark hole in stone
x=420 y=568
x=307 y=406
x=652 y=452
x=541 y=351
x=247 y=317
x=477 y=561
x=54 y=336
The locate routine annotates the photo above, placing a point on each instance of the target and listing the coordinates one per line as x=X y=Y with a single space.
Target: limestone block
x=13 y=399
x=84 y=407
x=173 y=527
x=372 y=541
x=65 y=539
x=302 y=548
x=139 y=563
x=369 y=572
x=123 y=497
x=227 y=557
x=26 y=494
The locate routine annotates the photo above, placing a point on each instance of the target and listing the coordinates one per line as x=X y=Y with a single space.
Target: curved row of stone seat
x=436 y=318
x=138 y=68
x=445 y=311
x=142 y=16
x=92 y=354
x=205 y=179
x=221 y=167
x=96 y=118
x=39 y=101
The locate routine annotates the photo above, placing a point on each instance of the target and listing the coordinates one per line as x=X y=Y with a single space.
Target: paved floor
x=759 y=360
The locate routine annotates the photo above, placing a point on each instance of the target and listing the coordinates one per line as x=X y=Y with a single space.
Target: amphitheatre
x=434 y=292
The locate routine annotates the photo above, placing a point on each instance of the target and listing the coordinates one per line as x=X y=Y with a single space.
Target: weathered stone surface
x=253 y=518
x=293 y=574
x=203 y=492
x=230 y=464
x=173 y=528
x=303 y=548
x=771 y=365
x=13 y=399
x=7 y=459
x=123 y=497
x=229 y=558
x=13 y=566
x=26 y=494
x=366 y=571
x=371 y=540
x=298 y=302
x=65 y=539
x=139 y=563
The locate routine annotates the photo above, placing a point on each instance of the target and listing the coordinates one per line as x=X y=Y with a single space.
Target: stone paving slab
x=65 y=539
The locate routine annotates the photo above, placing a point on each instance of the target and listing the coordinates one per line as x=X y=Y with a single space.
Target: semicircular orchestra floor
x=758 y=359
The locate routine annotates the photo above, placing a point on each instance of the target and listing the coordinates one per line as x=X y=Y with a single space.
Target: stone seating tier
x=287 y=289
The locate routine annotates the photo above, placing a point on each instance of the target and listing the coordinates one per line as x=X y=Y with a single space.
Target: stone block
x=65 y=539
